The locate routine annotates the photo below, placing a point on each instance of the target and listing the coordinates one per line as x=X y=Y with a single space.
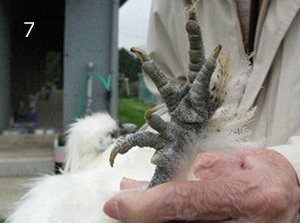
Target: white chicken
x=88 y=181
x=79 y=193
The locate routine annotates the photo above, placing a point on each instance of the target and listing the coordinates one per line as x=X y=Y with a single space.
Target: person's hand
x=253 y=186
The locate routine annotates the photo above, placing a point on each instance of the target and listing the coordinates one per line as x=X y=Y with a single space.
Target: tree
x=129 y=65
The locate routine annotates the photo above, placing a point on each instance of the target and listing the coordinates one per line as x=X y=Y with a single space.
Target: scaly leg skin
x=189 y=107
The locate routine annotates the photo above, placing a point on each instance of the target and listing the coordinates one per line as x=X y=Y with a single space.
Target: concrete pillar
x=87 y=39
x=5 y=103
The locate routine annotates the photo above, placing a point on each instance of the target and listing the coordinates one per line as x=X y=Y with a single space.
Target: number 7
x=32 y=24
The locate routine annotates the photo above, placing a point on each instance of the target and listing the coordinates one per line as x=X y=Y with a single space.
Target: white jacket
x=275 y=80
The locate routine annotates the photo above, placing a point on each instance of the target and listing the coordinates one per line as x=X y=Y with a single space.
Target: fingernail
x=124 y=182
x=111 y=209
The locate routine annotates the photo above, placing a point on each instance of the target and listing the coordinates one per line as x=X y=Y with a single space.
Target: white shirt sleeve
x=291 y=151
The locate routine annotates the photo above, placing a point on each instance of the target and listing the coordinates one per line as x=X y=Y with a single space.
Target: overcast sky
x=133 y=23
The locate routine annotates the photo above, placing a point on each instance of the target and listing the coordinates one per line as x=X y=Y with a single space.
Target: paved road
x=11 y=190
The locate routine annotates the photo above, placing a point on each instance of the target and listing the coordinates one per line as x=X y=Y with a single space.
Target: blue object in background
x=27 y=118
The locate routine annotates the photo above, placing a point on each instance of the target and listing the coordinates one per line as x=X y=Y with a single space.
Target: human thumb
x=143 y=206
x=127 y=207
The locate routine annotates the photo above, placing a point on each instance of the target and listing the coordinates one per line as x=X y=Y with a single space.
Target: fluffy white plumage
x=229 y=122
x=78 y=195
x=86 y=139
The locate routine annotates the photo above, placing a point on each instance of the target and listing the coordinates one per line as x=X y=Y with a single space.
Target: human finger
x=177 y=200
x=130 y=184
x=212 y=164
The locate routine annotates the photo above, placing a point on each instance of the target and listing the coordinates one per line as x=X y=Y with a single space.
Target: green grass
x=131 y=110
x=2 y=220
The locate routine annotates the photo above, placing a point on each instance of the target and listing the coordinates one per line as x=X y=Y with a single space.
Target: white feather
x=229 y=123
x=86 y=139
x=78 y=195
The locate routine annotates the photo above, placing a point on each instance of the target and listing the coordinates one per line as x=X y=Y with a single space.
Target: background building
x=67 y=33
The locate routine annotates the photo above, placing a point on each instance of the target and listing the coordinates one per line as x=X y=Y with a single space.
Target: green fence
x=143 y=93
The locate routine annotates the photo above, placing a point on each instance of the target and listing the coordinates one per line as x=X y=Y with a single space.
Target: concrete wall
x=4 y=64
x=87 y=39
